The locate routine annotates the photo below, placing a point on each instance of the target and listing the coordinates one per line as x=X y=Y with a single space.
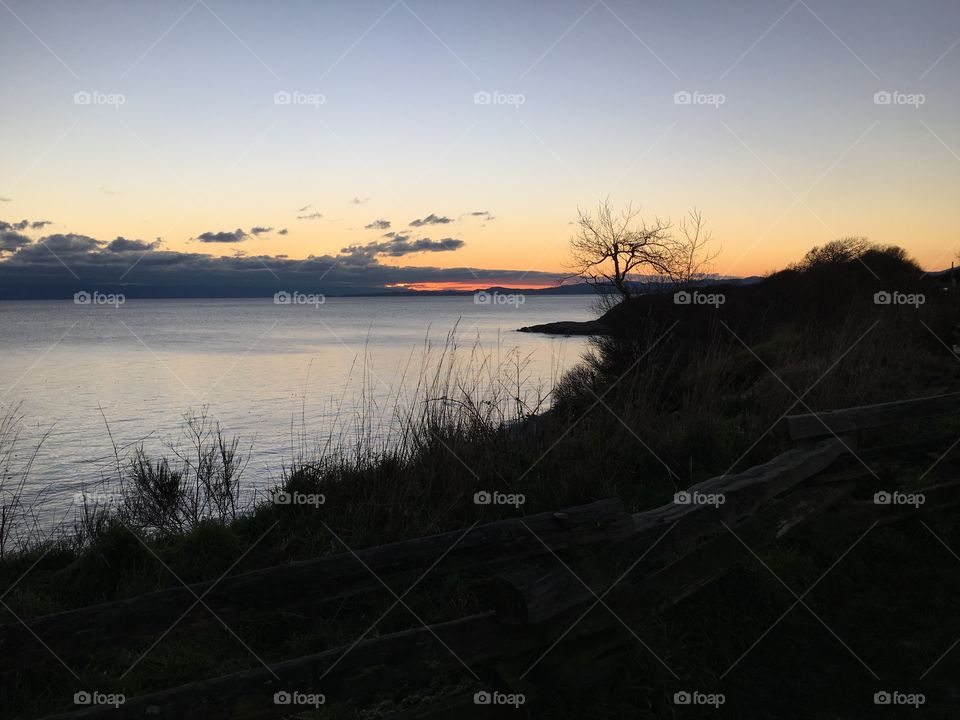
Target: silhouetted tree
x=610 y=247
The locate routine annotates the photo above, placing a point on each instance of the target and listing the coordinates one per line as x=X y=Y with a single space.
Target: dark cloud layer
x=121 y=244
x=10 y=240
x=39 y=269
x=311 y=216
x=225 y=236
x=430 y=219
x=259 y=230
x=400 y=245
x=378 y=225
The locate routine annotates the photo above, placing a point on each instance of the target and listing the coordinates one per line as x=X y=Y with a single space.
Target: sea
x=85 y=382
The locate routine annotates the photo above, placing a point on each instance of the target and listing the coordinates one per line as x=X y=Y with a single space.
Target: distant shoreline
x=565 y=291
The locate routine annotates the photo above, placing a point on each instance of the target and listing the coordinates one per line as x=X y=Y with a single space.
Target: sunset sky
x=474 y=130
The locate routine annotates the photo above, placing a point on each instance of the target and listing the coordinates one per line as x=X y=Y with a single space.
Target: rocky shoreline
x=589 y=327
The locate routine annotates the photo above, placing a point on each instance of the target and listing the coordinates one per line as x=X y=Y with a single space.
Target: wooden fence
x=537 y=603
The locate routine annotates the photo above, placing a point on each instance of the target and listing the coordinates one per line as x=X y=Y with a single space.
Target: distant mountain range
x=571 y=289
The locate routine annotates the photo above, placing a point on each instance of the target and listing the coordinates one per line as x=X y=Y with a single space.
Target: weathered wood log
x=635 y=597
x=811 y=425
x=541 y=597
x=599 y=634
x=534 y=593
x=75 y=633
x=742 y=495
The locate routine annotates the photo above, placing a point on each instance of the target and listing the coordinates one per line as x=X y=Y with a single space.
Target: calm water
x=277 y=376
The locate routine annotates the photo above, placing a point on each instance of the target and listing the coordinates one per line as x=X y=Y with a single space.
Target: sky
x=368 y=144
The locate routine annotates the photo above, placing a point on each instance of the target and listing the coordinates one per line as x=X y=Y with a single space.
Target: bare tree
x=612 y=247
x=693 y=250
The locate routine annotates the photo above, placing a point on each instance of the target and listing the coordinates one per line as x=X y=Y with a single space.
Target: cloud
x=259 y=230
x=32 y=268
x=430 y=219
x=282 y=232
x=5 y=199
x=11 y=241
x=400 y=245
x=358 y=201
x=311 y=216
x=107 y=191
x=62 y=246
x=305 y=208
x=23 y=225
x=485 y=214
x=378 y=225
x=235 y=236
x=121 y=244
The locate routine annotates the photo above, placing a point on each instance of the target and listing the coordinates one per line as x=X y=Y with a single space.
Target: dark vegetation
x=673 y=395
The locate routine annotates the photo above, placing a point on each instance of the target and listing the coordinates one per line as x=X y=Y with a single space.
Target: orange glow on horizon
x=469 y=286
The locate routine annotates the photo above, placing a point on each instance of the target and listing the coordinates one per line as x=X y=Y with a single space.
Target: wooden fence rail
x=848 y=420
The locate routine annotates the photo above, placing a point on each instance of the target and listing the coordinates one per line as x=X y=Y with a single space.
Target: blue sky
x=387 y=125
